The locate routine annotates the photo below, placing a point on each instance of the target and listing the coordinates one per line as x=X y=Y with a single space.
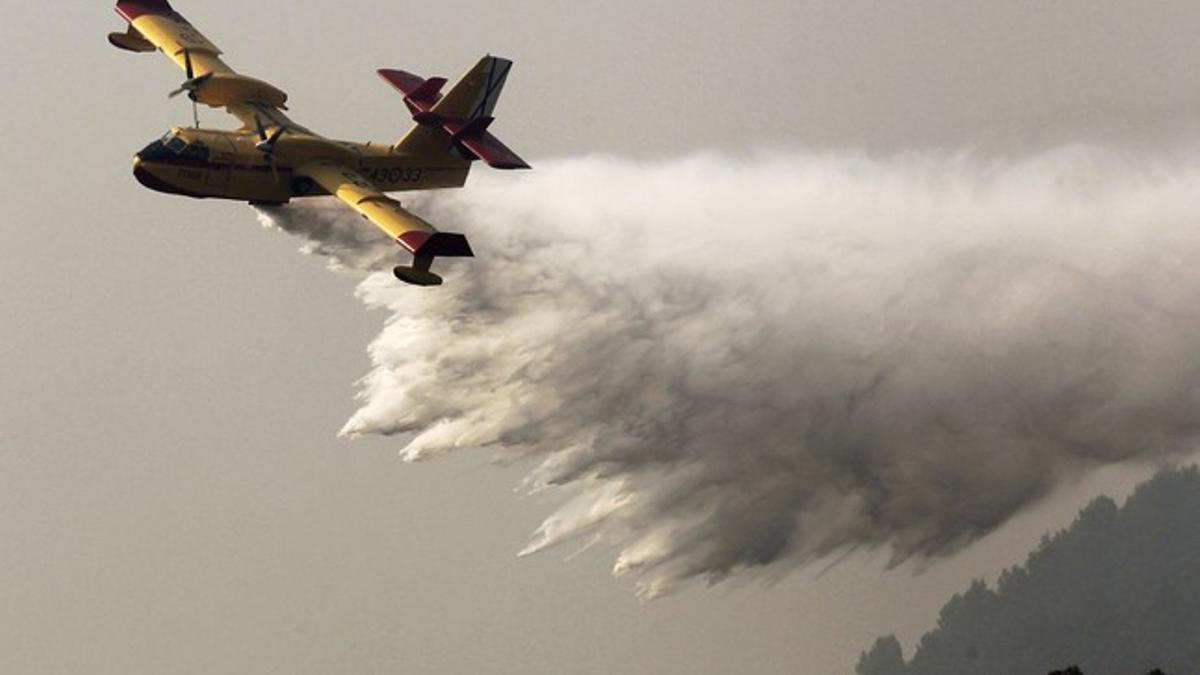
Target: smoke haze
x=738 y=363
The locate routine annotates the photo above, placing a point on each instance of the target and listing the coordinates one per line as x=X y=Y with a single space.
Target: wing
x=154 y=24
x=416 y=235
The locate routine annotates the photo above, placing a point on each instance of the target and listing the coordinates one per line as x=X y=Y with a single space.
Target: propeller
x=191 y=85
x=266 y=143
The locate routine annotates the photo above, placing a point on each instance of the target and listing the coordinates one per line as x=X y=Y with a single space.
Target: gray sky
x=172 y=497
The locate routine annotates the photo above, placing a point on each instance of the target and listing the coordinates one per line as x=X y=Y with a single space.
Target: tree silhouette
x=1117 y=593
x=885 y=658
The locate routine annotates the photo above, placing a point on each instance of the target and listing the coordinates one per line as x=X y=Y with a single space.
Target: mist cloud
x=735 y=363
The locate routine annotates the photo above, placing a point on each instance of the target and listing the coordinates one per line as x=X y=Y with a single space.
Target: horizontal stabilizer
x=420 y=95
x=494 y=153
x=404 y=82
x=428 y=94
x=470 y=129
x=473 y=136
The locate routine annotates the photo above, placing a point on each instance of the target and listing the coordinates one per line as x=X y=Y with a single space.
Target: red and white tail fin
x=458 y=121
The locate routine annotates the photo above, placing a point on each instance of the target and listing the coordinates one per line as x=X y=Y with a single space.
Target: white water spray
x=746 y=363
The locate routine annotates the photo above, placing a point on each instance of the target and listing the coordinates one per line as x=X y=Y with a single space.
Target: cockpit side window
x=176 y=144
x=197 y=151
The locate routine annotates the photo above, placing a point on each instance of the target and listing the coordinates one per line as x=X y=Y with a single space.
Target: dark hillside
x=1117 y=593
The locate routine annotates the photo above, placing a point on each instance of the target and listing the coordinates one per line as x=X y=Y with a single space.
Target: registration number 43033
x=394 y=175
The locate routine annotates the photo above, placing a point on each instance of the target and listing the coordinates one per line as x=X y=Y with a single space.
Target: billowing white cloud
x=742 y=362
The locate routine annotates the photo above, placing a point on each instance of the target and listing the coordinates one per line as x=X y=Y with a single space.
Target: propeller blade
x=266 y=143
x=274 y=169
x=191 y=85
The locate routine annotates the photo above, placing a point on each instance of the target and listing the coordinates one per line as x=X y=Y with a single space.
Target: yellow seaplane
x=271 y=159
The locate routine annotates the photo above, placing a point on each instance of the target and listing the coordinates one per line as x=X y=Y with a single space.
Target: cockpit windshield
x=174 y=143
x=195 y=150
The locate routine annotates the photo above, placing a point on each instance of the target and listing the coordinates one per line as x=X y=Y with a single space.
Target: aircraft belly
x=255 y=184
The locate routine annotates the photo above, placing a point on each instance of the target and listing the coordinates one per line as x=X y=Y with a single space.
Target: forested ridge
x=1116 y=593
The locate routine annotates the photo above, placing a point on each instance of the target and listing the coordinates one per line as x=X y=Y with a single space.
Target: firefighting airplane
x=271 y=159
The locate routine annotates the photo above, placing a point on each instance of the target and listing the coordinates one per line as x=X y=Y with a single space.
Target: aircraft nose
x=144 y=169
x=143 y=175
x=139 y=171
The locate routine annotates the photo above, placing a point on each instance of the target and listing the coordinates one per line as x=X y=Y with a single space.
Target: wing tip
x=132 y=10
x=436 y=244
x=416 y=276
x=131 y=41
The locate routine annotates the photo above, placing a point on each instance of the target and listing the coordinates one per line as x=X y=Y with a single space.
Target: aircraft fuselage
x=206 y=163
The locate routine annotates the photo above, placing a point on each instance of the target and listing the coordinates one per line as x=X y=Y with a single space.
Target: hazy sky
x=172 y=377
